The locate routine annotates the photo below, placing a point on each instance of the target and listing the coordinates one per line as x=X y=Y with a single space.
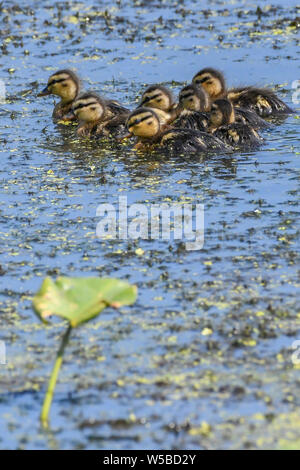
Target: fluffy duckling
x=145 y=124
x=195 y=98
x=261 y=100
x=98 y=116
x=194 y=103
x=160 y=99
x=66 y=85
x=223 y=125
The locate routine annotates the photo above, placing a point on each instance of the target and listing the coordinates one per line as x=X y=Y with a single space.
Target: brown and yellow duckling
x=195 y=98
x=66 y=85
x=145 y=124
x=97 y=116
x=261 y=100
x=194 y=104
x=160 y=99
x=223 y=125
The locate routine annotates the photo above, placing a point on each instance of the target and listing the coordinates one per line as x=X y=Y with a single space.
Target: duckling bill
x=97 y=116
x=145 y=124
x=261 y=100
x=65 y=84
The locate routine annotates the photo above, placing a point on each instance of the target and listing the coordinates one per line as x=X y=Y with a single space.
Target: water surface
x=149 y=377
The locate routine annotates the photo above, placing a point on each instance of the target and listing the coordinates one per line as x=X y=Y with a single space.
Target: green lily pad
x=80 y=299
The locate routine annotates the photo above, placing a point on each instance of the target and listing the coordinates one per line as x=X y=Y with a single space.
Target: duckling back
x=116 y=124
x=192 y=120
x=191 y=141
x=238 y=135
x=261 y=100
x=116 y=108
x=247 y=116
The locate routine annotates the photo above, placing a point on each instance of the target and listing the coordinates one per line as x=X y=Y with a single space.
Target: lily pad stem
x=53 y=378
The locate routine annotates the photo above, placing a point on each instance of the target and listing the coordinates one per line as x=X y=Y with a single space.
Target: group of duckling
x=207 y=116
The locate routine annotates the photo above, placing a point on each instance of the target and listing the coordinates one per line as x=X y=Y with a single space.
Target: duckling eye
x=93 y=108
x=191 y=99
x=149 y=123
x=64 y=85
x=159 y=100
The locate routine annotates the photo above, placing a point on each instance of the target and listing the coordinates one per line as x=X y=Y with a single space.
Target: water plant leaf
x=80 y=299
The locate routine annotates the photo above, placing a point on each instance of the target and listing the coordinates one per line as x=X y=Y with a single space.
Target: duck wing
x=190 y=140
x=238 y=135
x=246 y=116
x=261 y=100
x=116 y=108
x=192 y=120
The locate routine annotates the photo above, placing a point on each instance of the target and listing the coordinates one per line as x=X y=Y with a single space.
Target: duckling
x=223 y=125
x=160 y=99
x=145 y=124
x=98 y=116
x=197 y=99
x=194 y=103
x=66 y=85
x=194 y=98
x=261 y=100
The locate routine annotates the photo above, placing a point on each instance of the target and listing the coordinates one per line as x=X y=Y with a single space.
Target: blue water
x=146 y=377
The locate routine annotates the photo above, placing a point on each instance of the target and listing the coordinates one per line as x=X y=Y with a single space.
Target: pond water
x=150 y=377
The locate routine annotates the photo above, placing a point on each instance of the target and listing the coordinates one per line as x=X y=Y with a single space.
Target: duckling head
x=89 y=107
x=157 y=96
x=212 y=81
x=63 y=83
x=222 y=113
x=143 y=123
x=194 y=98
